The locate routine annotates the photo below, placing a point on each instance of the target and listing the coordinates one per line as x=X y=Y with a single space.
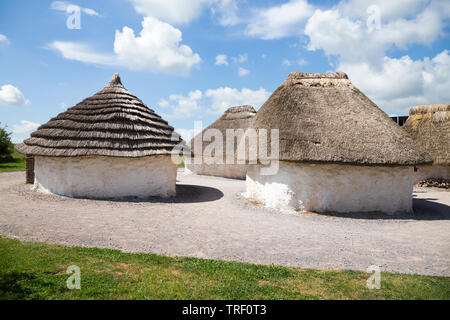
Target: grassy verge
x=17 y=164
x=181 y=164
x=38 y=271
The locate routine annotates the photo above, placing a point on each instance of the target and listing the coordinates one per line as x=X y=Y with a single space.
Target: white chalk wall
x=106 y=177
x=333 y=188
x=234 y=171
x=431 y=171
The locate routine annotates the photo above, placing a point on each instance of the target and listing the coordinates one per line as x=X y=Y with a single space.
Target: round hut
x=236 y=121
x=429 y=126
x=338 y=152
x=109 y=145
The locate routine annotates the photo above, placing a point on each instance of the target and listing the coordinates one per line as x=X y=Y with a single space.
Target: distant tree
x=6 y=146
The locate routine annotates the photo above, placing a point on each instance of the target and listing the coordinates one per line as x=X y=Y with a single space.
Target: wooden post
x=30 y=169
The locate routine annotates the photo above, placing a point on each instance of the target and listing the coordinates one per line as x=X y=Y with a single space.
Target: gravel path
x=208 y=219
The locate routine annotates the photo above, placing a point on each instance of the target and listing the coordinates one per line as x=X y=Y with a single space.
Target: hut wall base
x=106 y=177
x=333 y=188
x=234 y=171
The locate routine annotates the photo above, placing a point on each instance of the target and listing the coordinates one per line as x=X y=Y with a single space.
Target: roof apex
x=115 y=80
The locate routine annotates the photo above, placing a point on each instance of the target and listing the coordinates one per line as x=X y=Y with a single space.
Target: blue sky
x=191 y=59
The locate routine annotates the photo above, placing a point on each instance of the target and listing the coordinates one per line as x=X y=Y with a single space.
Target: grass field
x=17 y=165
x=38 y=271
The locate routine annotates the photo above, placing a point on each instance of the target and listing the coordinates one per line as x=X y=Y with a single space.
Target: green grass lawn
x=181 y=164
x=17 y=165
x=38 y=271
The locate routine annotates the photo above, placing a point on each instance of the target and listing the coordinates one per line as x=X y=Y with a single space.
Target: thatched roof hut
x=338 y=151
x=235 y=119
x=112 y=130
x=325 y=118
x=429 y=126
x=113 y=122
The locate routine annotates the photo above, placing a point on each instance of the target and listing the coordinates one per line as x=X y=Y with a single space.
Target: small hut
x=429 y=126
x=338 y=152
x=107 y=146
x=236 y=120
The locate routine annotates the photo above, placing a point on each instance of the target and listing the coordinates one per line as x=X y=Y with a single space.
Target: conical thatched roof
x=325 y=118
x=238 y=117
x=113 y=122
x=429 y=125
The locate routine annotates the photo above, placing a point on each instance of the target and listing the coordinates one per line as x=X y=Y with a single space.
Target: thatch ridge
x=324 y=118
x=429 y=126
x=307 y=75
x=429 y=108
x=113 y=122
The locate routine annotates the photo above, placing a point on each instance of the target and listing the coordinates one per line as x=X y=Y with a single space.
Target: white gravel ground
x=209 y=219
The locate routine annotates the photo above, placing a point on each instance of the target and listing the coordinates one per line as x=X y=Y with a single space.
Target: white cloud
x=288 y=63
x=180 y=12
x=22 y=131
x=226 y=11
x=68 y=7
x=221 y=60
x=163 y=103
x=402 y=83
x=390 y=10
x=243 y=72
x=82 y=52
x=3 y=39
x=10 y=96
x=351 y=39
x=395 y=84
x=186 y=134
x=25 y=126
x=241 y=58
x=214 y=101
x=182 y=106
x=279 y=21
x=337 y=35
x=157 y=48
x=224 y=97
x=173 y=11
x=90 y=12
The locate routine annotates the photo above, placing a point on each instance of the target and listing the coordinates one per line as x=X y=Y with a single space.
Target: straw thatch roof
x=113 y=122
x=429 y=125
x=325 y=118
x=238 y=117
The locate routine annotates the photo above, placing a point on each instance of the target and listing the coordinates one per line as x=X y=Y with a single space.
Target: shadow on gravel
x=428 y=209
x=424 y=209
x=186 y=193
